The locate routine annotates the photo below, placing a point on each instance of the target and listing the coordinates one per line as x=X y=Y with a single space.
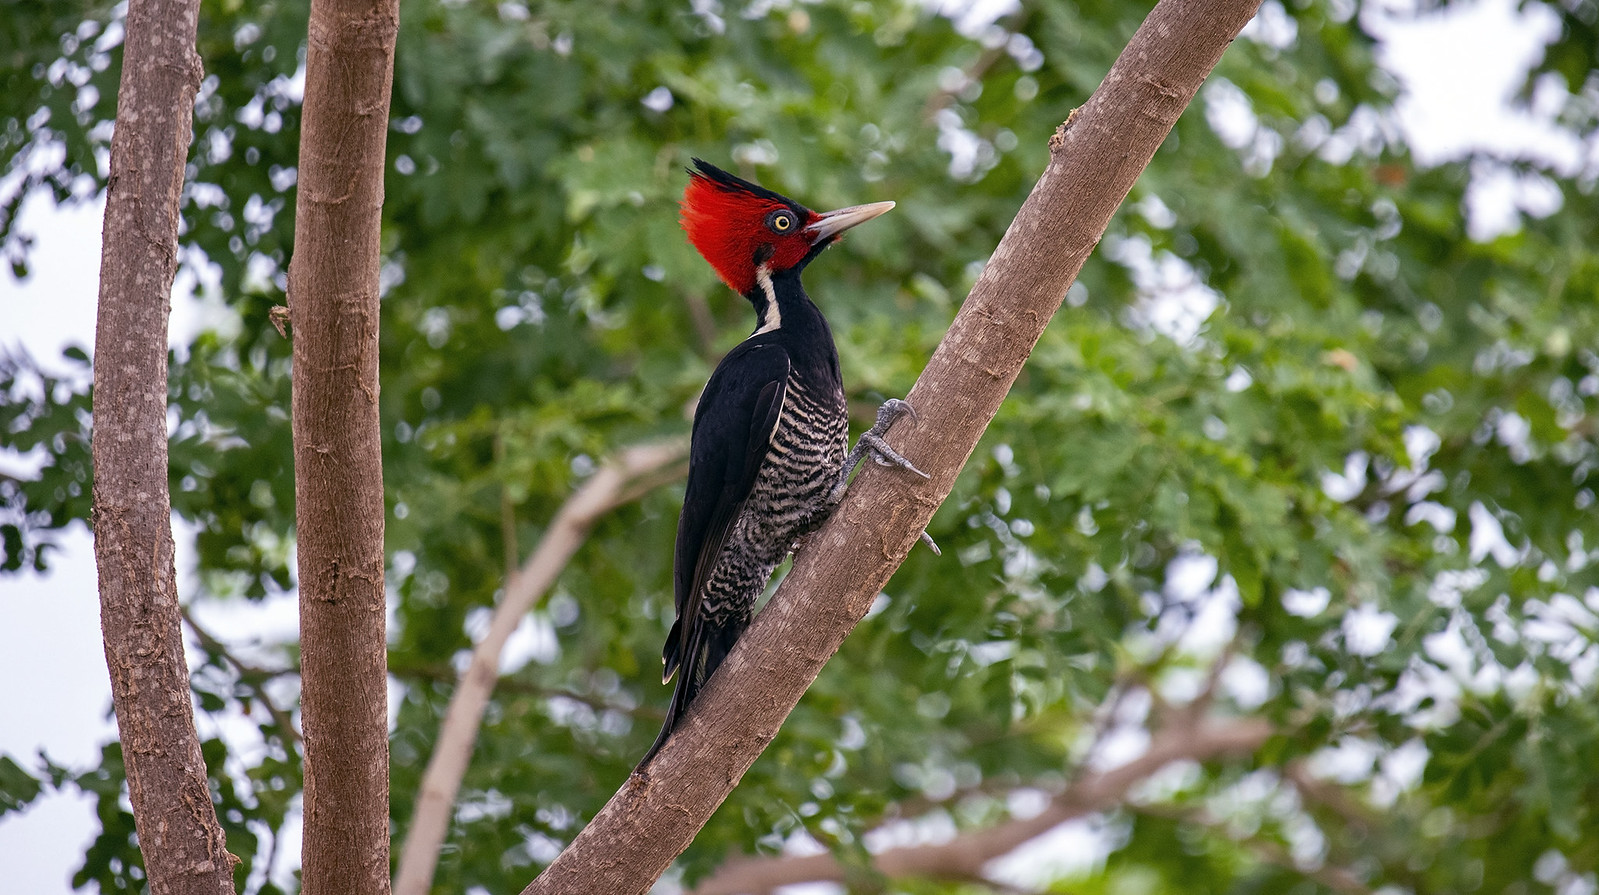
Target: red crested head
x=740 y=227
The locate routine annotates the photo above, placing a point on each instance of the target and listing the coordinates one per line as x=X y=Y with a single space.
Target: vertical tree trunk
x=338 y=469
x=183 y=846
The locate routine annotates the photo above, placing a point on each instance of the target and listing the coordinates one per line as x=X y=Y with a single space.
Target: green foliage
x=1360 y=417
x=44 y=417
x=17 y=787
x=57 y=62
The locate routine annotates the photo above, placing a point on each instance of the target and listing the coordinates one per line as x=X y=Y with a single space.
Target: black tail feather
x=707 y=650
x=669 y=654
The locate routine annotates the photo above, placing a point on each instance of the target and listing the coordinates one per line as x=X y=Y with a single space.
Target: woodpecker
x=767 y=458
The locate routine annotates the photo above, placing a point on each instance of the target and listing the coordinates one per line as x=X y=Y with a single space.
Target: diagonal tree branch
x=1096 y=155
x=183 y=845
x=965 y=856
x=620 y=480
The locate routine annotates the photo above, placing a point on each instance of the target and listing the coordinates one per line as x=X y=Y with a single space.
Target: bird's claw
x=887 y=415
x=872 y=441
x=892 y=409
x=887 y=456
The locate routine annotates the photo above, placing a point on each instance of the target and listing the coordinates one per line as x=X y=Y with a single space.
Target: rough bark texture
x=1096 y=155
x=183 y=846
x=338 y=469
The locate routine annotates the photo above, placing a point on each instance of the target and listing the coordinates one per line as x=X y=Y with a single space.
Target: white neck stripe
x=771 y=317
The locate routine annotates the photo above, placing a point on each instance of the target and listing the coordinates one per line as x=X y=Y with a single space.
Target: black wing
x=732 y=430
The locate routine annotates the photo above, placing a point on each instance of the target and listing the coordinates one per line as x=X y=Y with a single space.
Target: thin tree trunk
x=1096 y=155
x=183 y=845
x=338 y=467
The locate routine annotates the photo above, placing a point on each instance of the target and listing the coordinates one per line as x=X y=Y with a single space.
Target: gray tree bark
x=182 y=843
x=1096 y=155
x=338 y=467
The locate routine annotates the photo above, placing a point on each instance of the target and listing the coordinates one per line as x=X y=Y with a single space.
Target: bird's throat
x=767 y=309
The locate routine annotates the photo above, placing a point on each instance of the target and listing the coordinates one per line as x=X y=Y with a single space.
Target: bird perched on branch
x=767 y=461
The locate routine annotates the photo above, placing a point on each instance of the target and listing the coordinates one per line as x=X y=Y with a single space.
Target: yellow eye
x=780 y=221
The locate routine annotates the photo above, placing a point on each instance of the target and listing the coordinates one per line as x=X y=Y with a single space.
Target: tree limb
x=965 y=856
x=1095 y=157
x=338 y=463
x=619 y=481
x=182 y=843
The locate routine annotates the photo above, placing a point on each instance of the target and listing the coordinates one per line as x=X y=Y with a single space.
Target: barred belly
x=788 y=500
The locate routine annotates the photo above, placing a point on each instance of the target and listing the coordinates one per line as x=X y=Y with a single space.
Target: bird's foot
x=872 y=441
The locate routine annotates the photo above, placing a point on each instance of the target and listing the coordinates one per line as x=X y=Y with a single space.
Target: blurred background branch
x=622 y=479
